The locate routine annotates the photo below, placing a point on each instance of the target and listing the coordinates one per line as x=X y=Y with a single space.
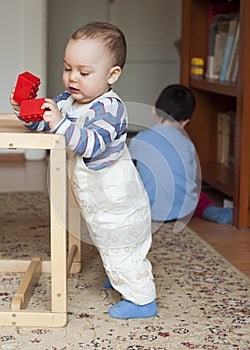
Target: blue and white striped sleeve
x=105 y=122
x=42 y=125
x=38 y=126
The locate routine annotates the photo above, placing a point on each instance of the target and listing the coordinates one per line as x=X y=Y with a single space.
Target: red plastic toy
x=26 y=87
x=30 y=110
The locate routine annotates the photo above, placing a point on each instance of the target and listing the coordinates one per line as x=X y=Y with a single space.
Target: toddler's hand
x=13 y=103
x=52 y=116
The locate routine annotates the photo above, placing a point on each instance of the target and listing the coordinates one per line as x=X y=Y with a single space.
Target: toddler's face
x=87 y=69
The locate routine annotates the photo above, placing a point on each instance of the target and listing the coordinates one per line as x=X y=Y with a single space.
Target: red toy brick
x=31 y=111
x=26 y=87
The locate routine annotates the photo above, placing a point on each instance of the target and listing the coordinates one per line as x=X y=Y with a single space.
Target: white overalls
x=116 y=209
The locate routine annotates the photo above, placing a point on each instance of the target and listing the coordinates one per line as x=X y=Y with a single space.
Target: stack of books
x=222 y=59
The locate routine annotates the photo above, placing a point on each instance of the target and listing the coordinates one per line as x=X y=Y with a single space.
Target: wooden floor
x=233 y=244
x=20 y=175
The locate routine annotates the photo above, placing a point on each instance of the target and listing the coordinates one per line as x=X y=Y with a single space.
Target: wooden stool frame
x=65 y=246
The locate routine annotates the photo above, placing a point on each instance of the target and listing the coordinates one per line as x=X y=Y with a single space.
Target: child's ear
x=184 y=122
x=156 y=116
x=114 y=74
x=154 y=111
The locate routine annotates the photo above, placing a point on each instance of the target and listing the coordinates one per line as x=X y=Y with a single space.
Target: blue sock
x=127 y=309
x=107 y=284
x=219 y=215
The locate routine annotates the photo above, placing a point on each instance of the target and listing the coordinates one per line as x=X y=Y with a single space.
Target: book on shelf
x=220 y=13
x=234 y=53
x=234 y=71
x=232 y=137
x=218 y=31
x=225 y=137
x=232 y=30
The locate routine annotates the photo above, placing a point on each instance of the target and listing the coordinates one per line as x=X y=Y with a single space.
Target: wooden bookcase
x=213 y=97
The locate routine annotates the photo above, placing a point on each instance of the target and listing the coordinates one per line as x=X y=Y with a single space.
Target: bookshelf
x=212 y=97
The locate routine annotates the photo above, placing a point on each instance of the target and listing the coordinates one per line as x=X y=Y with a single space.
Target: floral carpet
x=203 y=300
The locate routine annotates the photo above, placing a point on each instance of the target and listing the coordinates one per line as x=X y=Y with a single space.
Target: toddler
x=107 y=187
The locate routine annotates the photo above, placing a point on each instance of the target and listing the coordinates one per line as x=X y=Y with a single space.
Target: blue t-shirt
x=167 y=163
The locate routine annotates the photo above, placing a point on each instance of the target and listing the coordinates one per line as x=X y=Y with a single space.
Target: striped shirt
x=96 y=132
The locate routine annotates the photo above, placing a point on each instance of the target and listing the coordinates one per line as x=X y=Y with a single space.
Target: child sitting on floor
x=166 y=161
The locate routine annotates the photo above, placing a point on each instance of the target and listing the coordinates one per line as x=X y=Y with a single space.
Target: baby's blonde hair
x=112 y=37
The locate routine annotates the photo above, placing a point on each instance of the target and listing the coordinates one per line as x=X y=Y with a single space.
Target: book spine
x=223 y=137
x=234 y=52
x=230 y=39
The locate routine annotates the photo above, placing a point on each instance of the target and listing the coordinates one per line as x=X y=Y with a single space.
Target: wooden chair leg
x=58 y=188
x=74 y=235
x=25 y=290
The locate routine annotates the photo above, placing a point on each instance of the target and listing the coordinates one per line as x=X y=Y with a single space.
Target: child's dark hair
x=176 y=101
x=112 y=37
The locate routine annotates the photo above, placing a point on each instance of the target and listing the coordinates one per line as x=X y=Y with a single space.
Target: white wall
x=63 y=19
x=153 y=61
x=23 y=43
x=151 y=29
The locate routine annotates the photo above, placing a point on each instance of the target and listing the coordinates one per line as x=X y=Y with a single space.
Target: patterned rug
x=203 y=300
